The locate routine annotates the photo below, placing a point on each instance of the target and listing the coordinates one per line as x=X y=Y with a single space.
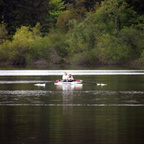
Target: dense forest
x=79 y=32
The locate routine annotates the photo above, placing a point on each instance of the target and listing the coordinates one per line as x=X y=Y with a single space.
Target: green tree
x=75 y=10
x=56 y=7
x=107 y=35
x=18 y=13
x=3 y=33
x=138 y=5
x=15 y=51
x=114 y=14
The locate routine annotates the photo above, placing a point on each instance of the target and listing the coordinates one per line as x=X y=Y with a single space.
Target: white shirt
x=65 y=77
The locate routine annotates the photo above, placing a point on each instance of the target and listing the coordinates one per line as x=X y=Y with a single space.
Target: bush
x=16 y=50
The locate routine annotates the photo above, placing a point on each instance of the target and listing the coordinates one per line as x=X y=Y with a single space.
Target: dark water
x=81 y=114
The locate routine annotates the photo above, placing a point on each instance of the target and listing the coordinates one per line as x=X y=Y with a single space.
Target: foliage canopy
x=75 y=32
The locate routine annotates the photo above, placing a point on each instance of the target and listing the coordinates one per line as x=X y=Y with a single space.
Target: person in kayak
x=65 y=77
x=70 y=78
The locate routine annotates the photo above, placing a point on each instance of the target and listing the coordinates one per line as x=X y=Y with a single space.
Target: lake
x=77 y=114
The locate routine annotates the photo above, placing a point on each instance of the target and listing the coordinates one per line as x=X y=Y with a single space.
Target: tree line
x=84 y=32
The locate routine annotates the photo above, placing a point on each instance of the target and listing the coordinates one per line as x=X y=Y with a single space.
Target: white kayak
x=74 y=82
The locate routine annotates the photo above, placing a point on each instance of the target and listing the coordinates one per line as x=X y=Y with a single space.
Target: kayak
x=61 y=82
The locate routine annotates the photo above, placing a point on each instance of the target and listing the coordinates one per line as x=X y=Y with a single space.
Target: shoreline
x=43 y=64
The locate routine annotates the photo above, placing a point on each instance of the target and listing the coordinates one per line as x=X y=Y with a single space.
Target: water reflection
x=73 y=96
x=74 y=114
x=67 y=95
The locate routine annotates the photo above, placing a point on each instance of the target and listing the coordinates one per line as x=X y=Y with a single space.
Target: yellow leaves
x=22 y=34
x=25 y=37
x=21 y=43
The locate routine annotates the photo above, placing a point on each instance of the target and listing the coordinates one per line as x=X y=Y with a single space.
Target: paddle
x=101 y=84
x=43 y=84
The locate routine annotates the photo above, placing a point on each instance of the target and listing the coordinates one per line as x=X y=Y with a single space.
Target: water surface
x=80 y=114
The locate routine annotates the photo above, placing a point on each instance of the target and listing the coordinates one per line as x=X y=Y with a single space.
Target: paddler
x=65 y=77
x=70 y=77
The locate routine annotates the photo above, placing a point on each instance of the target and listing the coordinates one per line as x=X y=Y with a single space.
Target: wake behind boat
x=73 y=82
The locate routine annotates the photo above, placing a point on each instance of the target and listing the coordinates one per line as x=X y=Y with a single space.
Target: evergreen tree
x=16 y=13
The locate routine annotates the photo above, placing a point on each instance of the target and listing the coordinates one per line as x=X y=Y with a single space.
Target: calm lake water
x=80 y=114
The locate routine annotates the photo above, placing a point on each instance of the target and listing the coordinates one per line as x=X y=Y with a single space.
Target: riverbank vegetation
x=83 y=32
